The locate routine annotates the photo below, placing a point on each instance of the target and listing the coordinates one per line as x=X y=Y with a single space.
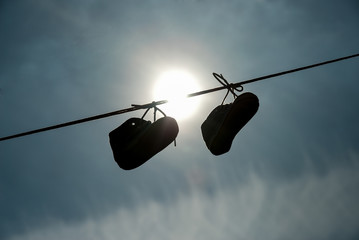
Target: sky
x=292 y=171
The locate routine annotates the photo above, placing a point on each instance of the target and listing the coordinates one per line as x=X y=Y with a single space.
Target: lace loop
x=148 y=107
x=231 y=88
x=155 y=109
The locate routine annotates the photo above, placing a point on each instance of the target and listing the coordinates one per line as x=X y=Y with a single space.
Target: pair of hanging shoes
x=137 y=140
x=225 y=121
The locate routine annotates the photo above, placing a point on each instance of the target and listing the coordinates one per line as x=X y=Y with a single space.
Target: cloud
x=63 y=61
x=309 y=207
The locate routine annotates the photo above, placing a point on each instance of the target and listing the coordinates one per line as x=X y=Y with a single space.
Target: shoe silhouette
x=137 y=140
x=225 y=121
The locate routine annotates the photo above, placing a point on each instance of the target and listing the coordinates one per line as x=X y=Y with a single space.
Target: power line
x=153 y=104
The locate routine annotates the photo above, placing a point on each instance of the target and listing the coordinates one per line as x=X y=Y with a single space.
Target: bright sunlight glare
x=174 y=86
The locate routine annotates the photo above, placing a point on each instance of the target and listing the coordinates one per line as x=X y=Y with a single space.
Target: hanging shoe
x=225 y=121
x=137 y=140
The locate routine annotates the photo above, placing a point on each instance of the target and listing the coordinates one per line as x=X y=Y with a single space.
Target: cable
x=235 y=85
x=154 y=104
x=105 y=115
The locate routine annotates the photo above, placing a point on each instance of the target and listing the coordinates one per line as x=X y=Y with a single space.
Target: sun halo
x=174 y=86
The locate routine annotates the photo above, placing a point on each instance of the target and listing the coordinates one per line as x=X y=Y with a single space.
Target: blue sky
x=292 y=172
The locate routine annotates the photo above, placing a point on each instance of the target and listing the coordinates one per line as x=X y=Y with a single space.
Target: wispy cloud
x=66 y=60
x=309 y=207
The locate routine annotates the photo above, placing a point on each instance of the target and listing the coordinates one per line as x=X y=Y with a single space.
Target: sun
x=174 y=86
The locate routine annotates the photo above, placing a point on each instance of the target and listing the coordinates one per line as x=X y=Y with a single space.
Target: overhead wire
x=155 y=103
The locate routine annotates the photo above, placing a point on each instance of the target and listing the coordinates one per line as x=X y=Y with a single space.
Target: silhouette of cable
x=88 y=119
x=154 y=104
x=235 y=85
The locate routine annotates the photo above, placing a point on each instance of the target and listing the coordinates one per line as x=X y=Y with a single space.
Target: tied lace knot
x=230 y=87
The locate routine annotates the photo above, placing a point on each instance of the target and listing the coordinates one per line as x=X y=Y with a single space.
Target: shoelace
x=155 y=109
x=228 y=85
